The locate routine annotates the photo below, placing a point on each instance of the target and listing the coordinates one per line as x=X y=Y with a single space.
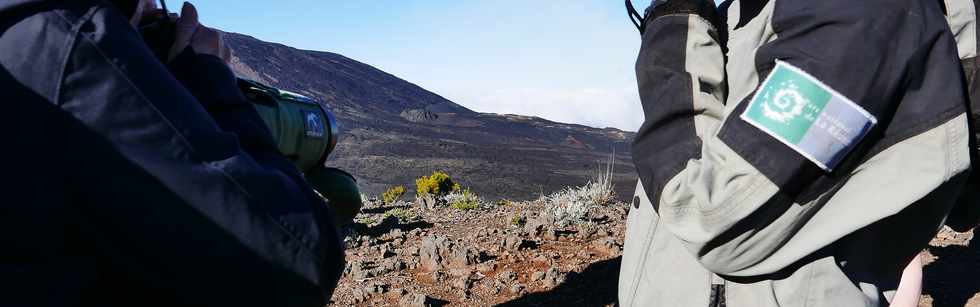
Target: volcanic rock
x=507 y=276
x=607 y=245
x=514 y=242
x=418 y=115
x=553 y=277
x=415 y=300
x=438 y=252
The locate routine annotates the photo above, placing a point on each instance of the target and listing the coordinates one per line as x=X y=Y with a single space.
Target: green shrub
x=401 y=213
x=392 y=194
x=437 y=184
x=518 y=220
x=368 y=221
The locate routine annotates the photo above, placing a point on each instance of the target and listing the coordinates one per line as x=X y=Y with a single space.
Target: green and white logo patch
x=808 y=116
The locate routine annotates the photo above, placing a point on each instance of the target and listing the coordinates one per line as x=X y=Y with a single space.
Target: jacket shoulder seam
x=69 y=48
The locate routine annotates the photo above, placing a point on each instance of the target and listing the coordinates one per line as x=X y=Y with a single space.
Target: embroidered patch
x=808 y=116
x=314 y=124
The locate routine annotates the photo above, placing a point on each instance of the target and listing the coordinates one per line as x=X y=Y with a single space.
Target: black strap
x=635 y=17
x=717 y=298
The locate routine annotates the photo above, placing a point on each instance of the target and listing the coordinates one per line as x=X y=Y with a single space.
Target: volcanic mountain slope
x=393 y=131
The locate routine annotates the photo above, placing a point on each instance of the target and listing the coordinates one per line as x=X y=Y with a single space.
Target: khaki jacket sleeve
x=744 y=203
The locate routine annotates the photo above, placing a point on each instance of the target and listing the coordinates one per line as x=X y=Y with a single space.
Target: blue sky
x=569 y=61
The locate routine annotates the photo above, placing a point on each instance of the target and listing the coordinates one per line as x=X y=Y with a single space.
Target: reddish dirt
x=586 y=258
x=575 y=253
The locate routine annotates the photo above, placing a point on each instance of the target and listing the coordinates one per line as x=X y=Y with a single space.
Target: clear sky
x=568 y=61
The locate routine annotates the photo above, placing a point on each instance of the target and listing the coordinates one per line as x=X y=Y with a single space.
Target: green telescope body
x=306 y=133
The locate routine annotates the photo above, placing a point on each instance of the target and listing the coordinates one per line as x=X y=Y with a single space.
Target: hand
x=143 y=9
x=203 y=40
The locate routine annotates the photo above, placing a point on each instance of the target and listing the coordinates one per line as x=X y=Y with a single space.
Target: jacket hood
x=9 y=5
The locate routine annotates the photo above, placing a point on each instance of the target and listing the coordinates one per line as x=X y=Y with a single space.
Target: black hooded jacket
x=130 y=183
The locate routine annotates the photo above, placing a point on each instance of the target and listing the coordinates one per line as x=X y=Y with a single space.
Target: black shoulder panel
x=896 y=59
x=667 y=139
x=748 y=10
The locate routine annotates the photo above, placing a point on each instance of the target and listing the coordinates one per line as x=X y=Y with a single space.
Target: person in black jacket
x=134 y=182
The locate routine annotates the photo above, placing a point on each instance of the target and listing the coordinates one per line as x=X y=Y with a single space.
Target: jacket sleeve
x=203 y=142
x=962 y=18
x=215 y=86
x=744 y=203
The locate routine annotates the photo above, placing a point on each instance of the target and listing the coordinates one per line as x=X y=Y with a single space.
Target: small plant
x=600 y=191
x=464 y=200
x=568 y=206
x=368 y=221
x=518 y=220
x=369 y=201
x=392 y=194
x=401 y=213
x=437 y=184
x=504 y=202
x=572 y=205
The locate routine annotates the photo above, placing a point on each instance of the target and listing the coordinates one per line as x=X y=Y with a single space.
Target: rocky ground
x=506 y=254
x=509 y=254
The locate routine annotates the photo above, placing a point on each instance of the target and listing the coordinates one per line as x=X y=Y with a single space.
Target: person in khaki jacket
x=794 y=152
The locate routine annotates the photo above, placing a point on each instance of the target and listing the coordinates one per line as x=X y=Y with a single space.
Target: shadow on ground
x=382 y=209
x=955 y=276
x=387 y=225
x=596 y=286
